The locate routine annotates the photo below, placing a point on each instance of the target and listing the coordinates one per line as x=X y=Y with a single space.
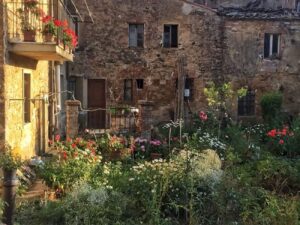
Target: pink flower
x=203 y=116
x=57 y=138
x=281 y=142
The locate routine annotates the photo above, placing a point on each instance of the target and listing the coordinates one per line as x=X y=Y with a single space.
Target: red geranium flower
x=272 y=133
x=57 y=138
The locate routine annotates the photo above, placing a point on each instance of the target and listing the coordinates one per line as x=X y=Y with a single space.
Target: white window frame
x=271 y=53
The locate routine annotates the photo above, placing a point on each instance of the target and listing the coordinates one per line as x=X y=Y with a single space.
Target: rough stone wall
x=104 y=51
x=27 y=138
x=244 y=63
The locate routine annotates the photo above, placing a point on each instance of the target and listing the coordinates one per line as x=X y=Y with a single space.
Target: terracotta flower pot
x=48 y=37
x=29 y=35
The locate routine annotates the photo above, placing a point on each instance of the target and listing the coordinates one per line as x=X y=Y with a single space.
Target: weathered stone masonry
x=218 y=45
x=104 y=51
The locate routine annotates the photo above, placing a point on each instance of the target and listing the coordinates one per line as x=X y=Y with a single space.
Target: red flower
x=57 y=138
x=46 y=19
x=281 y=142
x=284 y=132
x=57 y=23
x=64 y=23
x=272 y=133
x=64 y=155
x=203 y=116
x=74 y=145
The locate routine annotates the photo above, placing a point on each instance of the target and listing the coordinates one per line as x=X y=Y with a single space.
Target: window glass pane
x=267 y=46
x=246 y=104
x=140 y=83
x=174 y=37
x=275 y=44
x=167 y=35
x=132 y=35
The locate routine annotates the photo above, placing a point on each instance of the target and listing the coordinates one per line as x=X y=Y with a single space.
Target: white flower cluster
x=212 y=142
x=258 y=129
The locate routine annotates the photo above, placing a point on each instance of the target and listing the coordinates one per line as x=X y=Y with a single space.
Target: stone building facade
x=29 y=72
x=140 y=50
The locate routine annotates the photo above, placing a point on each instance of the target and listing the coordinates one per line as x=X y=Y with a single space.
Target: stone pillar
x=145 y=118
x=72 y=112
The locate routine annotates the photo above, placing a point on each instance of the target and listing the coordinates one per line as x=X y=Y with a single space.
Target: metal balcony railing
x=20 y=15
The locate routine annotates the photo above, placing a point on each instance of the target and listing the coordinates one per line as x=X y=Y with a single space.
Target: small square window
x=271 y=45
x=136 y=35
x=246 y=104
x=170 y=38
x=140 y=84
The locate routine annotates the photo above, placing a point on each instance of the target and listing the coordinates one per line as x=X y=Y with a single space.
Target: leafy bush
x=271 y=106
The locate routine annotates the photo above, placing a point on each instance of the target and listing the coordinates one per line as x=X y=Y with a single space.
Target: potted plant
x=30 y=4
x=9 y=162
x=70 y=39
x=49 y=29
x=28 y=29
x=156 y=149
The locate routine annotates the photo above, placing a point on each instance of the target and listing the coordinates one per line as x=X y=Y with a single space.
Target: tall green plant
x=271 y=104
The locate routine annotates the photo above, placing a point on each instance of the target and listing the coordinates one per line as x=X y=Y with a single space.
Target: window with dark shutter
x=246 y=104
x=27 y=97
x=128 y=90
x=136 y=35
x=170 y=37
x=271 y=45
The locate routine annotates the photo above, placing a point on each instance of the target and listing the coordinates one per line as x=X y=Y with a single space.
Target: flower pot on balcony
x=29 y=35
x=48 y=37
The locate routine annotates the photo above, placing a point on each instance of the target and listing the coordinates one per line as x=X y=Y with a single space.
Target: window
x=140 y=84
x=246 y=104
x=170 y=38
x=272 y=45
x=298 y=6
x=71 y=89
x=136 y=35
x=188 y=88
x=128 y=90
x=27 y=97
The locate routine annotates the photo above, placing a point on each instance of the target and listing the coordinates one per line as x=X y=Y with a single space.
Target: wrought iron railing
x=122 y=119
x=20 y=16
x=116 y=119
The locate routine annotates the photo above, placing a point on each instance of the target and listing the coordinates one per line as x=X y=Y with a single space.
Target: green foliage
x=271 y=106
x=9 y=160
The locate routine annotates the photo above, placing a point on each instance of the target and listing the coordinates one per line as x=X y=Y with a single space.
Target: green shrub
x=271 y=106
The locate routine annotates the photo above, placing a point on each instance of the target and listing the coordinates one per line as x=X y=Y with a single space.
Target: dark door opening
x=96 y=100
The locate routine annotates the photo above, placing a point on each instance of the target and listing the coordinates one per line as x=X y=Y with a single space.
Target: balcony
x=26 y=29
